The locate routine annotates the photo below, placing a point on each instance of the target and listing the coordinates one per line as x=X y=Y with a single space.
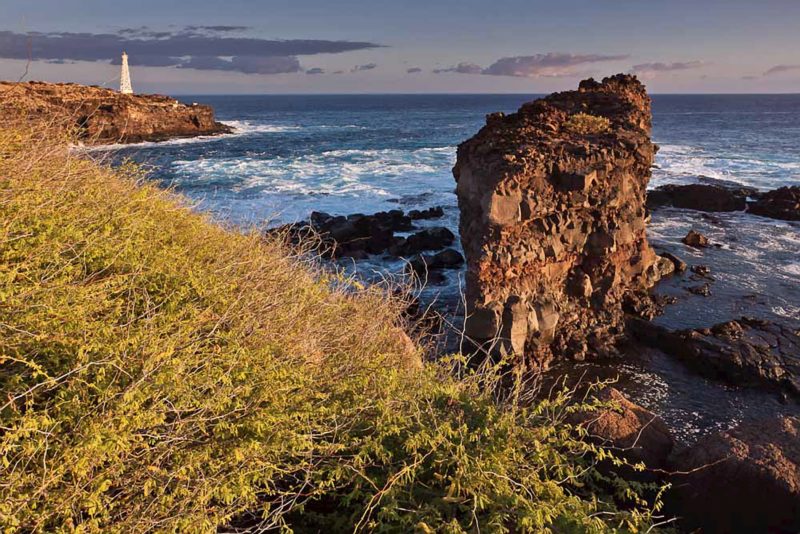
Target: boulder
x=632 y=431
x=745 y=352
x=678 y=264
x=741 y=481
x=435 y=212
x=783 y=203
x=703 y=290
x=552 y=219
x=695 y=239
x=433 y=238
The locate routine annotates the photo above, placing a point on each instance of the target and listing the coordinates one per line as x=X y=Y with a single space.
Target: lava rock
x=700 y=197
x=428 y=239
x=544 y=203
x=695 y=239
x=634 y=432
x=105 y=116
x=703 y=290
x=742 y=480
x=446 y=259
x=745 y=352
x=783 y=203
x=435 y=212
x=679 y=264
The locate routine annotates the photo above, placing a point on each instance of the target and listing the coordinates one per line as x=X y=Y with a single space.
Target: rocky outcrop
x=747 y=352
x=743 y=480
x=102 y=116
x=359 y=235
x=552 y=224
x=632 y=431
x=701 y=197
x=783 y=203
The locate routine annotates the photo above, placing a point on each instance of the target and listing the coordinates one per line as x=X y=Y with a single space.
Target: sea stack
x=553 y=218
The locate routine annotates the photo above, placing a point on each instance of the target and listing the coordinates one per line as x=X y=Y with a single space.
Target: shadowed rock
x=701 y=197
x=748 y=352
x=783 y=203
x=742 y=480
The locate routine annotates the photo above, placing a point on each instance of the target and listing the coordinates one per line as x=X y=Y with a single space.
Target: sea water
x=342 y=154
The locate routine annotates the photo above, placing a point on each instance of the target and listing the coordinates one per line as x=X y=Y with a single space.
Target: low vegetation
x=585 y=124
x=162 y=374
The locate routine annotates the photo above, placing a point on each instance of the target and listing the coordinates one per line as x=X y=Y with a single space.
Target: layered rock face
x=106 y=116
x=553 y=217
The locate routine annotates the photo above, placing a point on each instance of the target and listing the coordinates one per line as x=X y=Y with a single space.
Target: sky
x=409 y=46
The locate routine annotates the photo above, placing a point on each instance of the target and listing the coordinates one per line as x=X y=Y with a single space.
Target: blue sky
x=356 y=46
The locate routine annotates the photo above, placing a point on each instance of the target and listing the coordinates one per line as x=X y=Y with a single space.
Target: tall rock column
x=552 y=202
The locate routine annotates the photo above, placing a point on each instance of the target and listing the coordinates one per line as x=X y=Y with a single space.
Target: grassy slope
x=160 y=373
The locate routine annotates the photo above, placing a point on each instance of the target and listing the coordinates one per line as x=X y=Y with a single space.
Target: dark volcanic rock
x=553 y=219
x=105 y=116
x=435 y=212
x=744 y=480
x=679 y=264
x=447 y=259
x=701 y=197
x=359 y=235
x=695 y=239
x=704 y=290
x=427 y=239
x=636 y=433
x=701 y=270
x=783 y=203
x=748 y=352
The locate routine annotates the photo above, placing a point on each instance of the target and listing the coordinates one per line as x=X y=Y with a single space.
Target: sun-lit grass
x=585 y=124
x=162 y=374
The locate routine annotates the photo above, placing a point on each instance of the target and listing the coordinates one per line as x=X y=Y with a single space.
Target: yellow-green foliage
x=585 y=124
x=162 y=374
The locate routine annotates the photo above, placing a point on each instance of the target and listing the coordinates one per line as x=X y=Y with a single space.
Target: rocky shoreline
x=103 y=116
x=559 y=268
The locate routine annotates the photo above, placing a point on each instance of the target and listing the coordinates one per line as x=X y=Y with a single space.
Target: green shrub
x=585 y=124
x=162 y=374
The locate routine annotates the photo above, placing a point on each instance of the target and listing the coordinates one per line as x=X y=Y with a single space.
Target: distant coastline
x=103 y=116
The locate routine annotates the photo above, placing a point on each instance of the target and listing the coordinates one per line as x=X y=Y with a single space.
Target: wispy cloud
x=779 y=69
x=462 y=68
x=667 y=67
x=537 y=66
x=361 y=68
x=193 y=47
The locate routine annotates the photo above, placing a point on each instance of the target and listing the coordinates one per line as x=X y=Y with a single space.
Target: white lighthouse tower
x=125 y=77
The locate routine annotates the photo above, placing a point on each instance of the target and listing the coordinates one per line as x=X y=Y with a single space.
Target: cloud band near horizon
x=195 y=47
x=550 y=65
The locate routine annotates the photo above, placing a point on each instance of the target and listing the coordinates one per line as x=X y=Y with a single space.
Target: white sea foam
x=336 y=172
x=251 y=127
x=680 y=164
x=240 y=129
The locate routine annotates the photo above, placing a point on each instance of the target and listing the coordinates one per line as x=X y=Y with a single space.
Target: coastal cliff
x=553 y=218
x=104 y=116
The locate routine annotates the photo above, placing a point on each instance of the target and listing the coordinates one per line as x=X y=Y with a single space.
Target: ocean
x=342 y=154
